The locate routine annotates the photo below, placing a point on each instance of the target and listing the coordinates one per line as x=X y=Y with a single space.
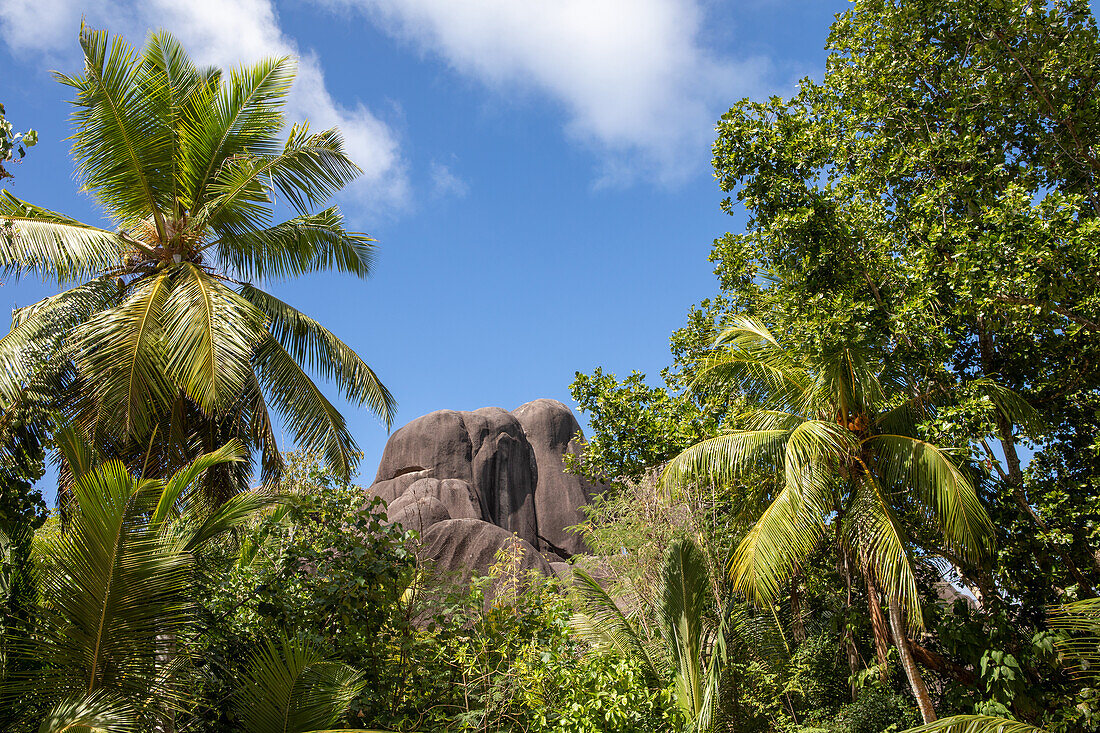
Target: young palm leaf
x=291 y=688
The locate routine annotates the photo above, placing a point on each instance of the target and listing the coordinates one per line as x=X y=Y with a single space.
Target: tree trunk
x=845 y=567
x=905 y=653
x=1014 y=477
x=878 y=621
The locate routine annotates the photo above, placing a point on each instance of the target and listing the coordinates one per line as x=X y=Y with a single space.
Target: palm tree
x=162 y=332
x=113 y=586
x=692 y=633
x=839 y=431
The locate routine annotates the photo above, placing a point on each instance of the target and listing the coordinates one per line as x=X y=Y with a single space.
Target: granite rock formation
x=468 y=481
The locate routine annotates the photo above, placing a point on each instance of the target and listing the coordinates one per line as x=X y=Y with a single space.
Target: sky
x=536 y=172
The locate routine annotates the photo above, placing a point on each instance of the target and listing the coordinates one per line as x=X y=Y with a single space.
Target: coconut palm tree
x=162 y=330
x=839 y=431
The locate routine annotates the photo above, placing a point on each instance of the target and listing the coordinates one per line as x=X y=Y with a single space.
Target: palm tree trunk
x=878 y=621
x=845 y=566
x=916 y=682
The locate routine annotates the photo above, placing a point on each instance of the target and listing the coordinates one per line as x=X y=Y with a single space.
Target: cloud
x=446 y=183
x=635 y=80
x=225 y=33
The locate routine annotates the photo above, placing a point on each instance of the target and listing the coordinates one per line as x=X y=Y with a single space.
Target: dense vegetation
x=864 y=497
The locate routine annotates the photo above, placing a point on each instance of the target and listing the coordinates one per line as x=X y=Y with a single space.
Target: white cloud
x=635 y=80
x=446 y=183
x=225 y=33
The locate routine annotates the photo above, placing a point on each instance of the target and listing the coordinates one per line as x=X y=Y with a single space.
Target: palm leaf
x=123 y=149
x=121 y=354
x=211 y=333
x=242 y=116
x=750 y=358
x=975 y=724
x=36 y=342
x=727 y=458
x=603 y=624
x=317 y=425
x=912 y=464
x=312 y=345
x=290 y=688
x=304 y=244
x=96 y=712
x=33 y=239
x=873 y=527
x=781 y=538
x=685 y=588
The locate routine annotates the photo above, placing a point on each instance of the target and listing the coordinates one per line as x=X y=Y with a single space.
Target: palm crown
x=163 y=333
x=843 y=447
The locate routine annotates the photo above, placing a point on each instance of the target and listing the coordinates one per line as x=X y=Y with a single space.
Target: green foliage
x=634 y=426
x=325 y=569
x=12 y=143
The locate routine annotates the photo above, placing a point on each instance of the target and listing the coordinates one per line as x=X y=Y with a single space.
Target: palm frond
x=183 y=480
x=243 y=115
x=726 y=458
x=308 y=170
x=291 y=688
x=53 y=246
x=312 y=345
x=749 y=357
x=36 y=342
x=975 y=724
x=874 y=528
x=112 y=585
x=912 y=464
x=317 y=425
x=96 y=712
x=1079 y=625
x=304 y=244
x=811 y=457
x=123 y=149
x=685 y=588
x=211 y=334
x=603 y=624
x=121 y=354
x=1010 y=405
x=781 y=538
x=172 y=83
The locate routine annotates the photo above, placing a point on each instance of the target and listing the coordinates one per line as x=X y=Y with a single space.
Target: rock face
x=468 y=481
x=551 y=430
x=468 y=547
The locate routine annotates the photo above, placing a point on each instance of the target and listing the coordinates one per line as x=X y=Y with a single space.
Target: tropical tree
x=692 y=632
x=840 y=431
x=162 y=332
x=114 y=592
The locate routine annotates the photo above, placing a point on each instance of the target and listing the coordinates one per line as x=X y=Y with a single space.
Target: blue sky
x=537 y=172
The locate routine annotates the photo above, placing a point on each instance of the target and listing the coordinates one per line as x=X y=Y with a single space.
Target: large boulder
x=486 y=448
x=419 y=514
x=455 y=494
x=464 y=548
x=551 y=429
x=474 y=483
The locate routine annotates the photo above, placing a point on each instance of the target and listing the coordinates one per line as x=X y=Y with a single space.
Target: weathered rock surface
x=485 y=448
x=469 y=481
x=419 y=514
x=455 y=494
x=551 y=429
x=469 y=547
